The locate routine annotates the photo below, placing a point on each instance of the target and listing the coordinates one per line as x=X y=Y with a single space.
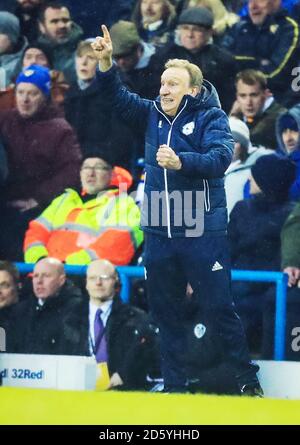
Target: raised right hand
x=103 y=50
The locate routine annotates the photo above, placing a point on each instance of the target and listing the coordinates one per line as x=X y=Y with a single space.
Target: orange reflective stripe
x=72 y=216
x=36 y=233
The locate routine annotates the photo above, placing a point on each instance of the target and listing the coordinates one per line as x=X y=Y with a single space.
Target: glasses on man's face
x=100 y=277
x=95 y=168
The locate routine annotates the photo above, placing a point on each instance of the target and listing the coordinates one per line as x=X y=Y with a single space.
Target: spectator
x=49 y=320
x=101 y=222
x=61 y=35
x=155 y=20
x=290 y=263
x=290 y=246
x=287 y=131
x=116 y=333
x=12 y=45
x=256 y=108
x=37 y=54
x=267 y=40
x=88 y=114
x=134 y=59
x=27 y=11
x=244 y=156
x=223 y=18
x=254 y=234
x=43 y=157
x=9 y=295
x=195 y=44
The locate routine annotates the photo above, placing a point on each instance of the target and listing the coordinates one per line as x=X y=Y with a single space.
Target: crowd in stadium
x=72 y=174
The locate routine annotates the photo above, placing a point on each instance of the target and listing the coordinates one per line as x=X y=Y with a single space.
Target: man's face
x=128 y=62
x=8 y=289
x=194 y=37
x=290 y=139
x=259 y=9
x=35 y=56
x=100 y=281
x=86 y=65
x=95 y=175
x=175 y=83
x=5 y=44
x=29 y=99
x=151 y=10
x=57 y=24
x=27 y=5
x=251 y=98
x=47 y=280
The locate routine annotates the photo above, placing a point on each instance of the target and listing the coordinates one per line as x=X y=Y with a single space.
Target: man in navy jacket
x=188 y=148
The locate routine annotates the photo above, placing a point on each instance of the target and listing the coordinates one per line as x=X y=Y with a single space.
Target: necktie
x=100 y=340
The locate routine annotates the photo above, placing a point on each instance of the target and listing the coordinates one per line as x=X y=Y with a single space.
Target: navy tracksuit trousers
x=203 y=262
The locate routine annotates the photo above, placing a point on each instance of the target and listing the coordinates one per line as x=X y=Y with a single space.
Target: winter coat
x=216 y=64
x=290 y=239
x=199 y=134
x=53 y=328
x=294 y=192
x=3 y=163
x=63 y=54
x=6 y=317
x=254 y=234
x=78 y=231
x=132 y=343
x=95 y=125
x=144 y=79
x=270 y=48
x=11 y=62
x=237 y=175
x=43 y=155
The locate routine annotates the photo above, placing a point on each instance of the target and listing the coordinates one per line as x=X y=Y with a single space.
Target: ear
x=194 y=91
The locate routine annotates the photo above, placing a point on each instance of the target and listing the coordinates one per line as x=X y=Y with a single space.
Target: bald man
x=116 y=333
x=48 y=321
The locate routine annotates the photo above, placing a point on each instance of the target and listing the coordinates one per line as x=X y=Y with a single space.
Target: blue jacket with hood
x=200 y=135
x=294 y=112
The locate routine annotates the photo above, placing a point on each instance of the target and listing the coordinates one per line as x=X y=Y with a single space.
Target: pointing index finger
x=106 y=34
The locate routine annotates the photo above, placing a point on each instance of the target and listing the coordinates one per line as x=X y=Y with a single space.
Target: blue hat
x=274 y=175
x=38 y=76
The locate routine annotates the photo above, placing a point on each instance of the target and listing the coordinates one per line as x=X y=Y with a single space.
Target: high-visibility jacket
x=78 y=232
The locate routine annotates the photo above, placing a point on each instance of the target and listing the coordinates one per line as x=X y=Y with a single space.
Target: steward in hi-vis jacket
x=100 y=222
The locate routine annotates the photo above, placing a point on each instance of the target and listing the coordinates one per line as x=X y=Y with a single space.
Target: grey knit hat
x=10 y=26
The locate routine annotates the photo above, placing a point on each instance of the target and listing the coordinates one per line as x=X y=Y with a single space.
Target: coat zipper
x=165 y=170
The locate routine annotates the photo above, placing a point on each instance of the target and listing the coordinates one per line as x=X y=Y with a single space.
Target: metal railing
x=281 y=279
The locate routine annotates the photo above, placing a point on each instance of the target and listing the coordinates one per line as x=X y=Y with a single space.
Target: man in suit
x=116 y=333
